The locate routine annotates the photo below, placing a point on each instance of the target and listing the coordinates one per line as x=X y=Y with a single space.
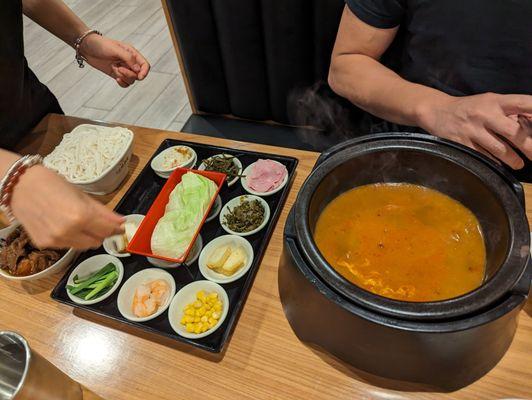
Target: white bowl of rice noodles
x=95 y=158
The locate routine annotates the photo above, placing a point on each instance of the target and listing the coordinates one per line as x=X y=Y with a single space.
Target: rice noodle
x=88 y=151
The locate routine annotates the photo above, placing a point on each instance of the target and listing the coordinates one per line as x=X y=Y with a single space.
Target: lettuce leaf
x=186 y=207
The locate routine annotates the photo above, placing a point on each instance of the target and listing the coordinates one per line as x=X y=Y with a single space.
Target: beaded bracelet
x=11 y=178
x=77 y=43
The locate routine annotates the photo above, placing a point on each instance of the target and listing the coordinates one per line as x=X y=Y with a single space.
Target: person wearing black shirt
x=461 y=70
x=53 y=212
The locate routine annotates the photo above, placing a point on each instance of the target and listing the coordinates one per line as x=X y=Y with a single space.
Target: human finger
x=516 y=103
x=101 y=227
x=122 y=83
x=127 y=75
x=144 y=69
x=511 y=130
x=486 y=153
x=144 y=65
x=498 y=148
x=124 y=73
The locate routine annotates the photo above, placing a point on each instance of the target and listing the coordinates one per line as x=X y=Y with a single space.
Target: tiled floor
x=160 y=101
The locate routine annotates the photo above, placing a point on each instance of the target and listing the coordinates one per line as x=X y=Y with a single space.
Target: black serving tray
x=138 y=200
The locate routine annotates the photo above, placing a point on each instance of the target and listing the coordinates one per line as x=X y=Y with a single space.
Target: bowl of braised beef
x=21 y=260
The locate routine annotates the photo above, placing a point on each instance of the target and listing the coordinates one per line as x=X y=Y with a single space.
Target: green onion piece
x=109 y=281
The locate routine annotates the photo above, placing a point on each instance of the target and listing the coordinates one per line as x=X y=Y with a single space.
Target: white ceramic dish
x=187 y=295
x=59 y=266
x=91 y=265
x=127 y=292
x=156 y=163
x=236 y=161
x=113 y=176
x=235 y=202
x=220 y=241
x=215 y=210
x=109 y=243
x=244 y=183
x=192 y=256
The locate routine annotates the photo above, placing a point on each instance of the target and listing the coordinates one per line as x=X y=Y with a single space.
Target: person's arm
x=119 y=60
x=55 y=213
x=475 y=121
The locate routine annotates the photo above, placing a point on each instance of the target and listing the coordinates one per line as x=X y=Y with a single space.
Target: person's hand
x=486 y=122
x=119 y=60
x=56 y=214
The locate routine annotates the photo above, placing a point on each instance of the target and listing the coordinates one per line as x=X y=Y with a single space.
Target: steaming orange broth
x=403 y=241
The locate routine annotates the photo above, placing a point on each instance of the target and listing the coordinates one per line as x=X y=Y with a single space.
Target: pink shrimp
x=149 y=297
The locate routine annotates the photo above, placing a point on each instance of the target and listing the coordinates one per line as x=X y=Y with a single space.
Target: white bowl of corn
x=198 y=309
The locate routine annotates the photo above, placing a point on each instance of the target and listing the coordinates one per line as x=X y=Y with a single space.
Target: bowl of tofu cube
x=226 y=259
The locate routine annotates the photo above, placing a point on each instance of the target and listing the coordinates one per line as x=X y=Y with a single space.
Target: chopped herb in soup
x=403 y=241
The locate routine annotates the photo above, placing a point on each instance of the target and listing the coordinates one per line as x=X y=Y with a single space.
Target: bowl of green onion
x=95 y=279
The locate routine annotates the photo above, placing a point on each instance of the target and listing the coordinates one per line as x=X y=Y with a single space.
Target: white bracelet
x=11 y=178
x=77 y=44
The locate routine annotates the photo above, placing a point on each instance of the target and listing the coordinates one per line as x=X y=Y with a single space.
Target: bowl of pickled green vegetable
x=95 y=279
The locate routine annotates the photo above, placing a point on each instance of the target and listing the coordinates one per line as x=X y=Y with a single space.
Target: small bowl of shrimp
x=146 y=295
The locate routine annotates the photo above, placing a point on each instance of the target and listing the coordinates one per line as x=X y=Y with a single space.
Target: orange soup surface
x=403 y=241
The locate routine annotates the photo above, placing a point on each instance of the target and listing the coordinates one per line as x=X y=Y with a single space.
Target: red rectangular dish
x=141 y=241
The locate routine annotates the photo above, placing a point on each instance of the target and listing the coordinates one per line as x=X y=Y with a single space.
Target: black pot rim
x=497 y=181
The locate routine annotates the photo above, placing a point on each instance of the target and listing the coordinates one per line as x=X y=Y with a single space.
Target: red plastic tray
x=141 y=241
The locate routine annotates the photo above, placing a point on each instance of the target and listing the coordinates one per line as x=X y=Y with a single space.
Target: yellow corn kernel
x=189 y=311
x=190 y=328
x=208 y=313
x=197 y=304
x=201 y=311
x=204 y=318
x=212 y=324
x=183 y=321
x=216 y=315
x=217 y=307
x=213 y=295
x=196 y=319
x=200 y=295
x=205 y=328
x=212 y=321
x=197 y=329
x=189 y=318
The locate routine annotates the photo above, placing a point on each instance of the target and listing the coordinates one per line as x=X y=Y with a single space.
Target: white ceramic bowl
x=236 y=161
x=113 y=176
x=127 y=292
x=220 y=241
x=235 y=202
x=244 y=183
x=59 y=266
x=108 y=243
x=215 y=210
x=156 y=163
x=187 y=295
x=192 y=256
x=91 y=265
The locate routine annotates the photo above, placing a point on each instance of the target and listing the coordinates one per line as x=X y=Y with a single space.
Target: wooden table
x=263 y=360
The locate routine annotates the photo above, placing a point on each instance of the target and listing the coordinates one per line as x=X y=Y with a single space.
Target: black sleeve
x=378 y=13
